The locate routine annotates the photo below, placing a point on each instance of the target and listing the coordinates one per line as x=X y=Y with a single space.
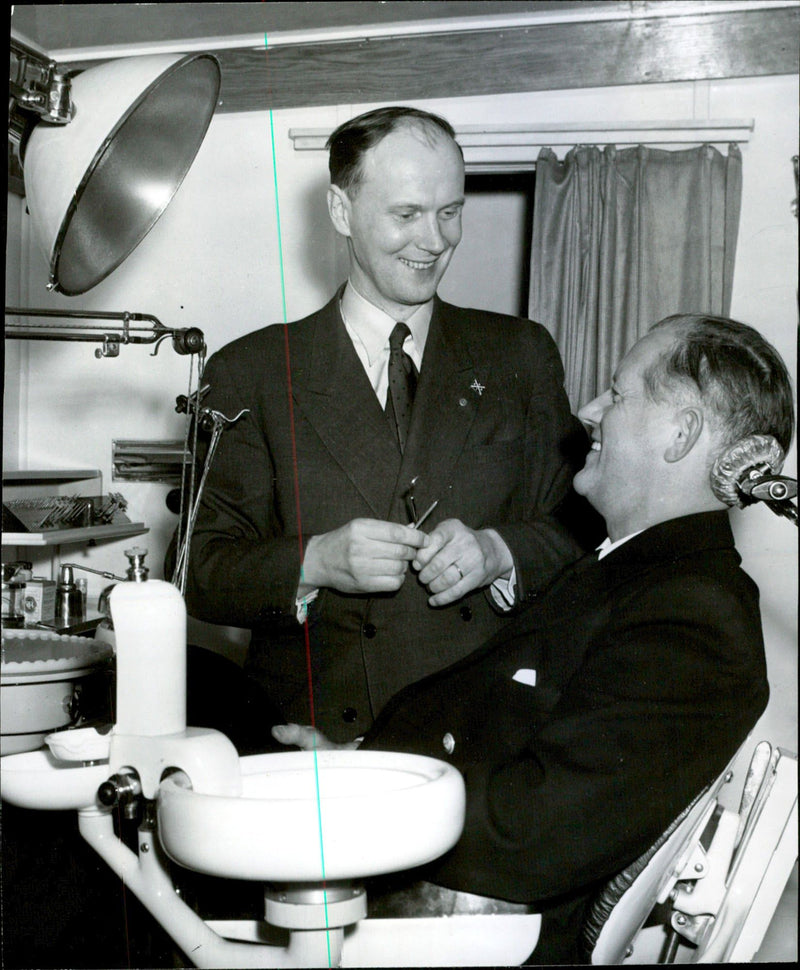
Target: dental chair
x=706 y=891
x=199 y=805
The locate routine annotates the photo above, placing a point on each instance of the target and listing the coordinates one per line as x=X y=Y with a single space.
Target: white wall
x=213 y=262
x=14 y=349
x=765 y=295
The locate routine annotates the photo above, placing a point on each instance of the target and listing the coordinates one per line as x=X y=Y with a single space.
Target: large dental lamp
x=104 y=152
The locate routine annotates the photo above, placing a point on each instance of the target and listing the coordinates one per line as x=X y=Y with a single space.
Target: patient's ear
x=688 y=424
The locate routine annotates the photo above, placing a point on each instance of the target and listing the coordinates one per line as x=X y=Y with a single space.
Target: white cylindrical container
x=150 y=633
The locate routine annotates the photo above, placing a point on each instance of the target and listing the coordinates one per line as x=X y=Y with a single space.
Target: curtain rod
x=511 y=136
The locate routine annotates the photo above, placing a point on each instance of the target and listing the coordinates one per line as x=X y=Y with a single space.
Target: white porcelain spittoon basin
x=37 y=779
x=306 y=816
x=39 y=673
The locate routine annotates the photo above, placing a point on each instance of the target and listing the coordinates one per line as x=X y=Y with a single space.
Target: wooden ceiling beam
x=555 y=56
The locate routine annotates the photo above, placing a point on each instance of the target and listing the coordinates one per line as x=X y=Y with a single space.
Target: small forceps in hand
x=411 y=505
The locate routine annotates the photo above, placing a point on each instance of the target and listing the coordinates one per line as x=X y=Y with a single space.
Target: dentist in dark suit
x=303 y=534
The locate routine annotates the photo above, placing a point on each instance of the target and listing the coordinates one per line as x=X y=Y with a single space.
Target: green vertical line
x=278 y=216
x=322 y=851
x=285 y=320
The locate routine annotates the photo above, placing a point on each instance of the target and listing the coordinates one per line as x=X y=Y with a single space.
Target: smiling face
x=625 y=475
x=403 y=219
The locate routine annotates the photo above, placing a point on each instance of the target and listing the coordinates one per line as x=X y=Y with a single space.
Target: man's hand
x=308 y=738
x=364 y=556
x=457 y=559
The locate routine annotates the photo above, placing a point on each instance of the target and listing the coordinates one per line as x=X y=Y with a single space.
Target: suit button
x=349 y=714
x=369 y=630
x=465 y=612
x=449 y=743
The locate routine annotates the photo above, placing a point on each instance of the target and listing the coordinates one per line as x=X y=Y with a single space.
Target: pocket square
x=525 y=676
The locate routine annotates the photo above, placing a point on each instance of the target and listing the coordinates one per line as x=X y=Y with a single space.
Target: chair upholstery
x=621 y=907
x=723 y=871
x=613 y=892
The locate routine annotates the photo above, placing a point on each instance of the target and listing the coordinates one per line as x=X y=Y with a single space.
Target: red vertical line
x=292 y=433
x=296 y=476
x=299 y=516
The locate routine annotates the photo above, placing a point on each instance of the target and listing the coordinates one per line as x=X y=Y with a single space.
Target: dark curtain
x=622 y=238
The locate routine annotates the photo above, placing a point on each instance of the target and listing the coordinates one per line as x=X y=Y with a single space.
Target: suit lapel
x=333 y=392
x=580 y=586
x=587 y=582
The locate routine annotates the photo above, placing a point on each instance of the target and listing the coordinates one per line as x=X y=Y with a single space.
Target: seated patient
x=610 y=702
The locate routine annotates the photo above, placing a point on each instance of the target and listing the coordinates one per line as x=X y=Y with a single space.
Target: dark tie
x=402 y=383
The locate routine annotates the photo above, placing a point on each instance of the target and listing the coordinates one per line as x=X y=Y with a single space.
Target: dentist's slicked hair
x=352 y=140
x=739 y=375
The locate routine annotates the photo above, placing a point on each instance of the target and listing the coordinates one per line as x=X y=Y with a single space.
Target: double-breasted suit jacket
x=595 y=718
x=491 y=438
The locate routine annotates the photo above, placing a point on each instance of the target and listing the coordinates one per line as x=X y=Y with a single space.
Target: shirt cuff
x=302 y=603
x=504 y=591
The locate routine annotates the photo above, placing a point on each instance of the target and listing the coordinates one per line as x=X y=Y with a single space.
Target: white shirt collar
x=372 y=326
x=608 y=546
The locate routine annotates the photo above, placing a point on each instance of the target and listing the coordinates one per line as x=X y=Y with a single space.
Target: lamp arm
x=185 y=340
x=24 y=47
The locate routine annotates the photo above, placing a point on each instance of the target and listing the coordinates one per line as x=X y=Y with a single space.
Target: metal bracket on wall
x=148 y=461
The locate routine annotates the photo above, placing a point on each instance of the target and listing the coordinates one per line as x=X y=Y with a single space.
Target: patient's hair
x=738 y=373
x=351 y=140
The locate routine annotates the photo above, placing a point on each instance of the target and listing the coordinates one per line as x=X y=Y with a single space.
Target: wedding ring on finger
x=456 y=566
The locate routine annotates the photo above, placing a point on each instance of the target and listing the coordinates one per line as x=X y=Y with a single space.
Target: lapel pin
x=477 y=386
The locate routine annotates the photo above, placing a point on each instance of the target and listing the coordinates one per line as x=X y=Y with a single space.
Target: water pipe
x=146 y=876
